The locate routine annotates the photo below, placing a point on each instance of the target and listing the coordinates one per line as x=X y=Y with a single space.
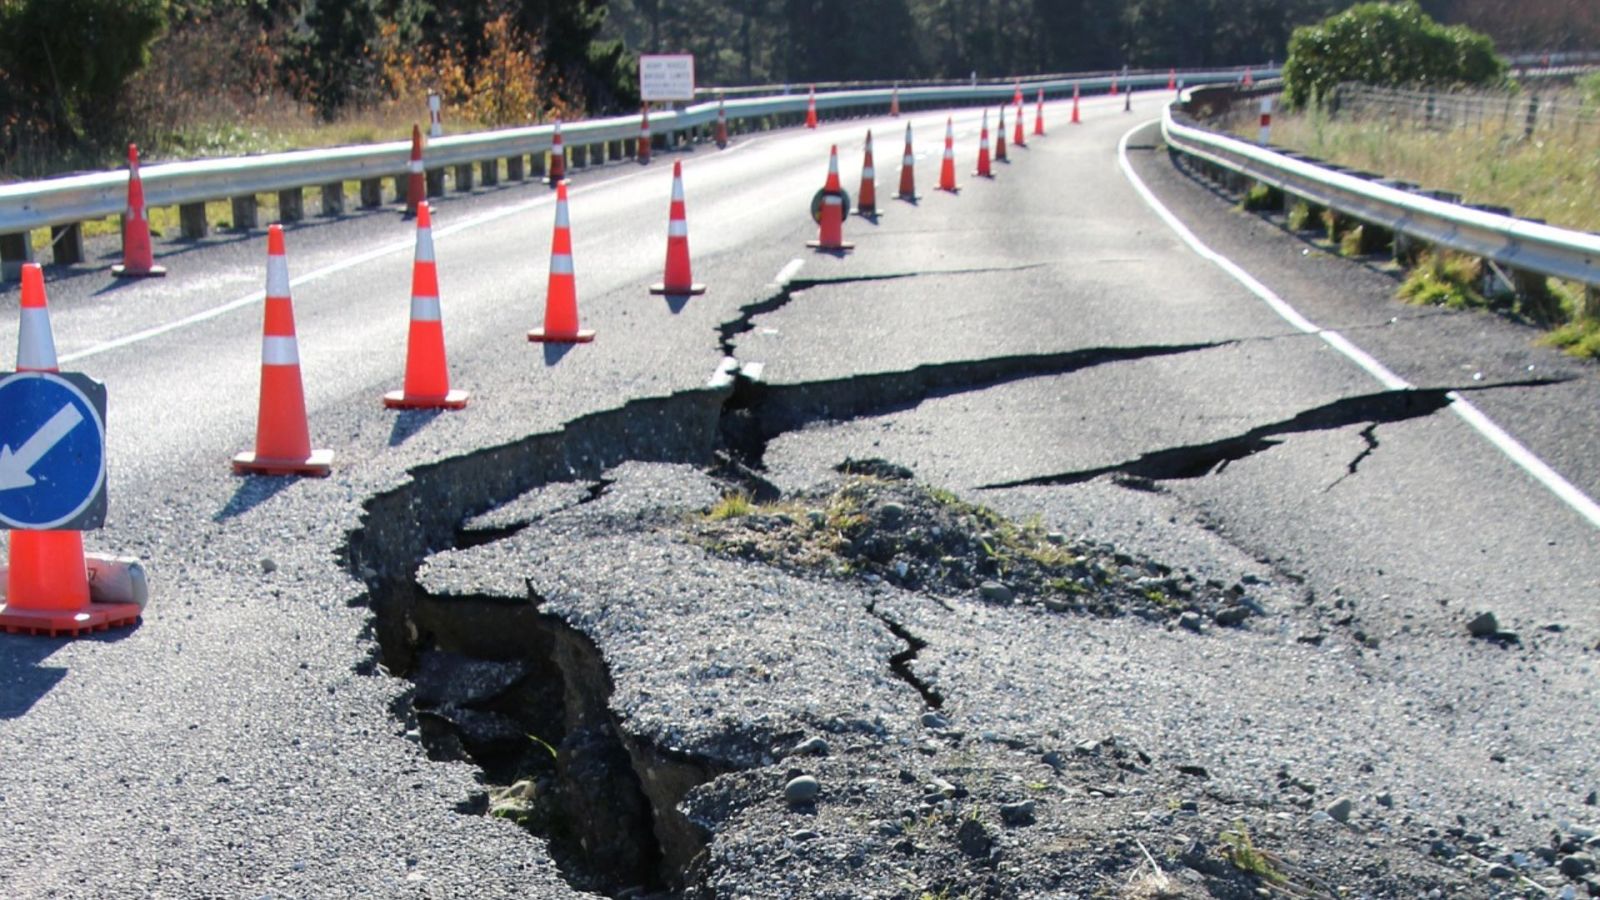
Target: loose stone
x=995 y=592
x=1191 y=621
x=803 y=789
x=816 y=746
x=1340 y=809
x=1483 y=625
x=1017 y=814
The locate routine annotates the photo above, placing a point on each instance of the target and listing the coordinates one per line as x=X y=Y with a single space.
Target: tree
x=63 y=63
x=1385 y=44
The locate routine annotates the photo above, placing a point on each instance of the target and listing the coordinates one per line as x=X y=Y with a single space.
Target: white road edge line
x=787 y=273
x=1580 y=502
x=315 y=275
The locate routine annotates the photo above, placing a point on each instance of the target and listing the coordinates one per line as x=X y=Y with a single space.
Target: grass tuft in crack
x=1242 y=853
x=876 y=524
x=1445 y=279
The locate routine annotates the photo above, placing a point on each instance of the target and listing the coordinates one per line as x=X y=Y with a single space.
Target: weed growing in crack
x=1241 y=852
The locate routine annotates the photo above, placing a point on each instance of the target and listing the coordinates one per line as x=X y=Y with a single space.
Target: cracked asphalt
x=1041 y=344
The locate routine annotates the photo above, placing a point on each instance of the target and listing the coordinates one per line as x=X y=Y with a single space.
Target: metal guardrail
x=78 y=198
x=1517 y=244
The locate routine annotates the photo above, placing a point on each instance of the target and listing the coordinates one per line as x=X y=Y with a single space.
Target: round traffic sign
x=52 y=450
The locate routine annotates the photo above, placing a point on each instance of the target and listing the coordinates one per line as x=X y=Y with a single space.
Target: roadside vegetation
x=1465 y=128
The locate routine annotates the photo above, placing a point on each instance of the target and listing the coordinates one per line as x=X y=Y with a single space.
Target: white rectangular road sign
x=666 y=76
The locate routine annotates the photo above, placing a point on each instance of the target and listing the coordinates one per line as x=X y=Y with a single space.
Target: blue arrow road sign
x=52 y=451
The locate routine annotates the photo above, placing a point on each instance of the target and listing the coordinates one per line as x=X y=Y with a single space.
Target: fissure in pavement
x=1212 y=457
x=610 y=800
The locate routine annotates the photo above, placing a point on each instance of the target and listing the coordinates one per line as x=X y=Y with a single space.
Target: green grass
x=733 y=505
x=1580 y=338
x=1243 y=854
x=1552 y=176
x=1445 y=279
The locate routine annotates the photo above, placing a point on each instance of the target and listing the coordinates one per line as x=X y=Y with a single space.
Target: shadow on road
x=409 y=422
x=253 y=491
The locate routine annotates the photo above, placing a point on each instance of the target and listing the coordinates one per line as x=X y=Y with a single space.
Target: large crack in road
x=608 y=800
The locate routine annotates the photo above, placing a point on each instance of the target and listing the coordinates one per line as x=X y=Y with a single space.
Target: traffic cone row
x=1075 y=119
x=677 y=281
x=984 y=170
x=867 y=197
x=1038 y=116
x=47 y=580
x=283 y=442
x=561 y=298
x=416 y=180
x=811 y=108
x=947 y=168
x=830 y=237
x=908 y=177
x=558 y=158
x=427 y=379
x=1000 y=138
x=137 y=259
x=1017 y=136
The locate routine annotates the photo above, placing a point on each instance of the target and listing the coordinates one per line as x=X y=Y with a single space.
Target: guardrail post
x=1590 y=308
x=580 y=156
x=192 y=222
x=66 y=242
x=489 y=172
x=244 y=213
x=614 y=150
x=536 y=165
x=514 y=170
x=371 y=193
x=291 y=205
x=434 y=178
x=333 y=199
x=463 y=177
x=16 y=250
x=400 y=187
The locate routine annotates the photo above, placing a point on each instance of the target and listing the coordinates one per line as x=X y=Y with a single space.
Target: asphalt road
x=1043 y=343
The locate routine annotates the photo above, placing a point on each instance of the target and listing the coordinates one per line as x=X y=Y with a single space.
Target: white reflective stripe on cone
x=277 y=276
x=414 y=166
x=425 y=309
x=677 y=190
x=424 y=245
x=868 y=173
x=561 y=264
x=677 y=228
x=37 y=349
x=561 y=216
x=279 y=351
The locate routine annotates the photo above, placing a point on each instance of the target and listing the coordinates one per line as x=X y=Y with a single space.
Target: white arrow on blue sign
x=52 y=451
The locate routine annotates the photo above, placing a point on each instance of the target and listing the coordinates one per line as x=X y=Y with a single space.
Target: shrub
x=1385 y=44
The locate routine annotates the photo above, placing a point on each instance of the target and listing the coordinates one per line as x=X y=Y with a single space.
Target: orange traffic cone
x=867 y=197
x=1016 y=92
x=1017 y=137
x=1000 y=138
x=558 y=158
x=416 y=182
x=643 y=153
x=561 y=299
x=947 y=169
x=677 y=282
x=1172 y=79
x=1113 y=85
x=47 y=580
x=427 y=381
x=722 y=124
x=908 y=176
x=1075 y=119
x=1249 y=79
x=283 y=441
x=811 y=108
x=1038 y=116
x=137 y=260
x=983 y=149
x=831 y=236
x=894 y=102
